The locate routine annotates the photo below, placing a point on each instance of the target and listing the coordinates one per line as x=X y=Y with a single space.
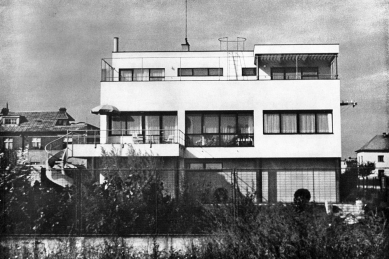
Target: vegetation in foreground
x=127 y=200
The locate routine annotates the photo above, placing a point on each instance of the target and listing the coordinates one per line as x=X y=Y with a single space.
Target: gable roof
x=43 y=122
x=378 y=143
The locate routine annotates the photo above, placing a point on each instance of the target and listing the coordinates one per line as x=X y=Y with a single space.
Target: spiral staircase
x=57 y=163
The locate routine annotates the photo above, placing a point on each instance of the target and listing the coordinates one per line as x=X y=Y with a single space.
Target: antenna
x=186 y=21
x=186 y=45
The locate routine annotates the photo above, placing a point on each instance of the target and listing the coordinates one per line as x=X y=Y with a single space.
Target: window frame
x=10 y=121
x=150 y=78
x=298 y=113
x=37 y=141
x=237 y=132
x=204 y=165
x=156 y=78
x=179 y=71
x=245 y=69
x=126 y=132
x=8 y=143
x=300 y=70
x=380 y=159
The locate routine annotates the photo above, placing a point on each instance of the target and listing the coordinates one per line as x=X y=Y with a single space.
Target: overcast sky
x=51 y=49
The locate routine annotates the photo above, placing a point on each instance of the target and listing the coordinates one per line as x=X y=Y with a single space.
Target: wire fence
x=131 y=201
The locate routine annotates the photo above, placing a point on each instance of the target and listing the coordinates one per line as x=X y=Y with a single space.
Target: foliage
x=281 y=231
x=366 y=169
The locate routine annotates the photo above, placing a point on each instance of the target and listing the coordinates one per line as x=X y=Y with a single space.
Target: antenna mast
x=186 y=45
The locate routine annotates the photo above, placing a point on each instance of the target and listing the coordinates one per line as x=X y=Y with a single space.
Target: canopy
x=104 y=109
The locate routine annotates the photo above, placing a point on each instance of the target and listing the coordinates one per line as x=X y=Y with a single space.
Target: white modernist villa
x=272 y=112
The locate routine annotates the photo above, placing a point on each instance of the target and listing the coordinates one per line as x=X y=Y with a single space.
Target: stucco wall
x=238 y=95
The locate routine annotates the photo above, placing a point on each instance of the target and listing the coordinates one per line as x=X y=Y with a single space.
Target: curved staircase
x=57 y=164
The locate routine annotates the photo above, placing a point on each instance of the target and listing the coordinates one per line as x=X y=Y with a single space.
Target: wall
x=363 y=157
x=238 y=95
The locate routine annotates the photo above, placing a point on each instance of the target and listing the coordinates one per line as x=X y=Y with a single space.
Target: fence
x=134 y=201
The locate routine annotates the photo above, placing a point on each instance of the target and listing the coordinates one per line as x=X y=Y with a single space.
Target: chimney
x=115 y=44
x=62 y=109
x=186 y=45
x=5 y=111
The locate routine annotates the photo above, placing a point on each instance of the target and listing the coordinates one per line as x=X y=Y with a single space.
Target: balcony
x=156 y=142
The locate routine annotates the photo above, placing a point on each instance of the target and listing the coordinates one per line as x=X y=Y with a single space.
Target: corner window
x=249 y=71
x=297 y=122
x=8 y=143
x=36 y=143
x=380 y=158
x=219 y=129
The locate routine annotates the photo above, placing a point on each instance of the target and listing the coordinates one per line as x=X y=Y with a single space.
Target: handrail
x=62 y=137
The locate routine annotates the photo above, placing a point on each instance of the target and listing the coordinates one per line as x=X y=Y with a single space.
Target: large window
x=297 y=122
x=219 y=129
x=142 y=74
x=291 y=73
x=200 y=72
x=146 y=127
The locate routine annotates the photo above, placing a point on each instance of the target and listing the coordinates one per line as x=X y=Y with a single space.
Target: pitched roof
x=378 y=143
x=43 y=122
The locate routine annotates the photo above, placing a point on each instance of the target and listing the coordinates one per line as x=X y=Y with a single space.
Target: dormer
x=62 y=122
x=11 y=120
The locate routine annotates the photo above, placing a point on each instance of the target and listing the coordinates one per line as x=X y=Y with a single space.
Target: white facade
x=287 y=95
x=379 y=158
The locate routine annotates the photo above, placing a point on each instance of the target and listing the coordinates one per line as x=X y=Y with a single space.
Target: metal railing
x=232 y=69
x=121 y=136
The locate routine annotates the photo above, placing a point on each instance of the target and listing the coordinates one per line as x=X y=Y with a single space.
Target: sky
x=51 y=50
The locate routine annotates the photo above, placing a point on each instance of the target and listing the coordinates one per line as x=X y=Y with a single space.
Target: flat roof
x=265 y=49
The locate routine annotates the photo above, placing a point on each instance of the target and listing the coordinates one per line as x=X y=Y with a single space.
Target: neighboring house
x=34 y=130
x=377 y=152
x=272 y=112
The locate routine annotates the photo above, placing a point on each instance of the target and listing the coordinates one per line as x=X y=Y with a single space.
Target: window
x=10 y=121
x=290 y=73
x=125 y=74
x=200 y=166
x=219 y=129
x=36 y=143
x=249 y=71
x=62 y=123
x=294 y=122
x=146 y=127
x=380 y=158
x=200 y=72
x=142 y=74
x=8 y=143
x=157 y=74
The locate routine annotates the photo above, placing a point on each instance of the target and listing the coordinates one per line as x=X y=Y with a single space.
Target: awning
x=293 y=57
x=104 y=109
